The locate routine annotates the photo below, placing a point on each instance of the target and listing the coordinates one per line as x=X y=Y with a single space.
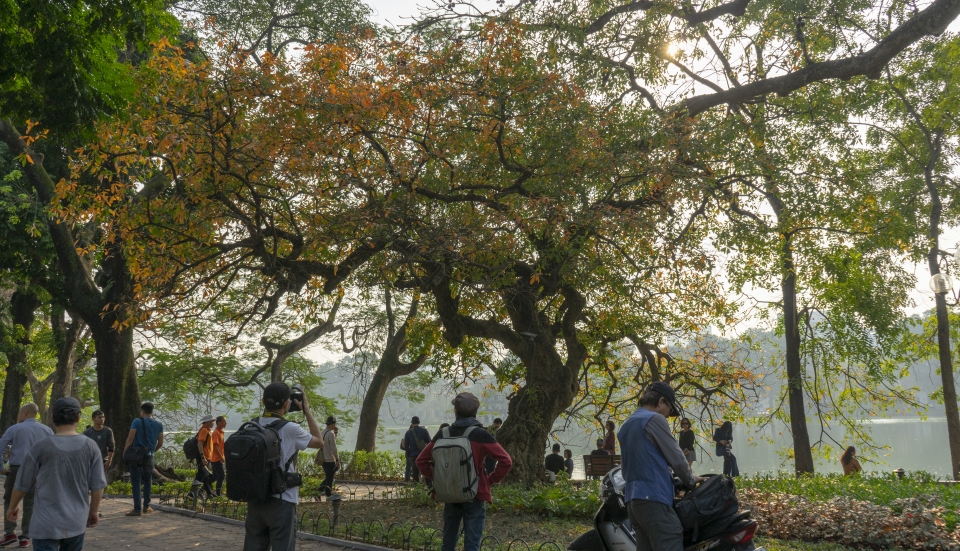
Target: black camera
x=292 y=480
x=296 y=395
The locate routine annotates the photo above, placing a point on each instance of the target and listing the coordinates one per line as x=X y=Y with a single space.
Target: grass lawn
x=506 y=526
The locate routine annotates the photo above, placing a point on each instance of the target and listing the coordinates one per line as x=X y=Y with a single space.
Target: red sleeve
x=504 y=462
x=425 y=461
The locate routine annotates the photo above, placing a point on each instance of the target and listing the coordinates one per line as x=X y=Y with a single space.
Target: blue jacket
x=644 y=466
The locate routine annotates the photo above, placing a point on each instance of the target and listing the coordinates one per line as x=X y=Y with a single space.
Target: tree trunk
x=67 y=338
x=112 y=333
x=531 y=414
x=23 y=307
x=943 y=319
x=550 y=382
x=949 y=387
x=803 y=455
x=116 y=377
x=389 y=368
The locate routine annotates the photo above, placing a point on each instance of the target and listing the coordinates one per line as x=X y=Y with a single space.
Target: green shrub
x=560 y=499
x=381 y=465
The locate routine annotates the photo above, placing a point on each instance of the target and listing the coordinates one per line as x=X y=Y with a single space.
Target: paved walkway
x=168 y=532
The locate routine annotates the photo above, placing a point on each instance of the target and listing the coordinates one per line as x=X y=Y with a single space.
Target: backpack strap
x=468 y=431
x=445 y=433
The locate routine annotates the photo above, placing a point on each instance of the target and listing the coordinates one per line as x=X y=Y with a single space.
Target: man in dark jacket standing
x=482 y=444
x=649 y=451
x=414 y=441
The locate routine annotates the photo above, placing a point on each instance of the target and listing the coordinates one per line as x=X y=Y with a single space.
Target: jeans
x=272 y=522
x=142 y=476
x=329 y=468
x=218 y=475
x=411 y=472
x=473 y=514
x=656 y=524
x=10 y=527
x=67 y=544
x=730 y=467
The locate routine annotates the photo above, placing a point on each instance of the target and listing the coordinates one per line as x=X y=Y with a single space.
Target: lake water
x=914 y=445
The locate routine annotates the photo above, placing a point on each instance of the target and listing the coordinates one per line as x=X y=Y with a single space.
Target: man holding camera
x=274 y=522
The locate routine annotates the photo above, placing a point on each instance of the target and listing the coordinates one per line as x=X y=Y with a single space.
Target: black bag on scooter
x=708 y=510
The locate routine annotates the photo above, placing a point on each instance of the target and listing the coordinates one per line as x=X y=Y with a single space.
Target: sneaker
x=134 y=513
x=8 y=539
x=24 y=542
x=148 y=510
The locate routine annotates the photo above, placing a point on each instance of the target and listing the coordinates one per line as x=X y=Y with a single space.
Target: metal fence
x=405 y=536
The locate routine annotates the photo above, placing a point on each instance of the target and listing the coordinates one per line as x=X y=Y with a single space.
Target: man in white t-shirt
x=274 y=522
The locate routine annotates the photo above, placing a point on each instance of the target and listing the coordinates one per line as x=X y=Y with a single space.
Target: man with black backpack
x=648 y=452
x=270 y=486
x=415 y=439
x=454 y=461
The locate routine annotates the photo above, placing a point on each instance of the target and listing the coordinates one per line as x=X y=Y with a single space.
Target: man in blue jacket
x=649 y=452
x=414 y=441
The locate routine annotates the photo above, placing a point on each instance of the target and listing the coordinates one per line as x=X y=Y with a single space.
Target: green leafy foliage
x=61 y=65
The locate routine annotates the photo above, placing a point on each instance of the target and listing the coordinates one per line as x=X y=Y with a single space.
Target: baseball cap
x=66 y=405
x=466 y=404
x=415 y=420
x=276 y=395
x=667 y=392
x=331 y=420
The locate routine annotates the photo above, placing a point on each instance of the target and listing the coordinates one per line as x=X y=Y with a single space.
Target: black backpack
x=708 y=510
x=191 y=447
x=254 y=471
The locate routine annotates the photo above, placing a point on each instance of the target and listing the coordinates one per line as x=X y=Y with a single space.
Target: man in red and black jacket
x=484 y=445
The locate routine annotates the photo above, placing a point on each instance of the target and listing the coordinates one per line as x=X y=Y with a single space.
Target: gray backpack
x=454 y=474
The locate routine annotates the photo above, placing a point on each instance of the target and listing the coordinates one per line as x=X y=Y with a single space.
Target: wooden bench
x=596 y=466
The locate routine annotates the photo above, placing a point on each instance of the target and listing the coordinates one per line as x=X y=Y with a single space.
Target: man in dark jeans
x=145 y=432
x=415 y=439
x=649 y=451
x=482 y=444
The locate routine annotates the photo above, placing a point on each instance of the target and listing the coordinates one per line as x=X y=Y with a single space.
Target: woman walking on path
x=688 y=442
x=723 y=436
x=849 y=462
x=610 y=439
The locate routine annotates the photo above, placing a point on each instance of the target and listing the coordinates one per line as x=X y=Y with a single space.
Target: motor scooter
x=613 y=532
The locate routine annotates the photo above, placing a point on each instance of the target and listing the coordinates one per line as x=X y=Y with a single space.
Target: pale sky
x=398 y=12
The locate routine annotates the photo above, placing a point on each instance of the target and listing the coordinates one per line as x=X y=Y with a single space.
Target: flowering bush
x=909 y=523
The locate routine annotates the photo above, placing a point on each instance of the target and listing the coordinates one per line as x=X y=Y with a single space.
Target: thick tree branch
x=931 y=21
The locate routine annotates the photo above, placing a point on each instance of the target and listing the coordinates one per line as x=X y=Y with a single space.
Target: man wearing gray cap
x=21 y=438
x=66 y=473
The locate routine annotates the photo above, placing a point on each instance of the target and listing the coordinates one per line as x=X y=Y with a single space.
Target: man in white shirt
x=274 y=521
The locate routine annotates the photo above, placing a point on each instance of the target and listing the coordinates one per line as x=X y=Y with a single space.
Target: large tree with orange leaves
x=537 y=222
